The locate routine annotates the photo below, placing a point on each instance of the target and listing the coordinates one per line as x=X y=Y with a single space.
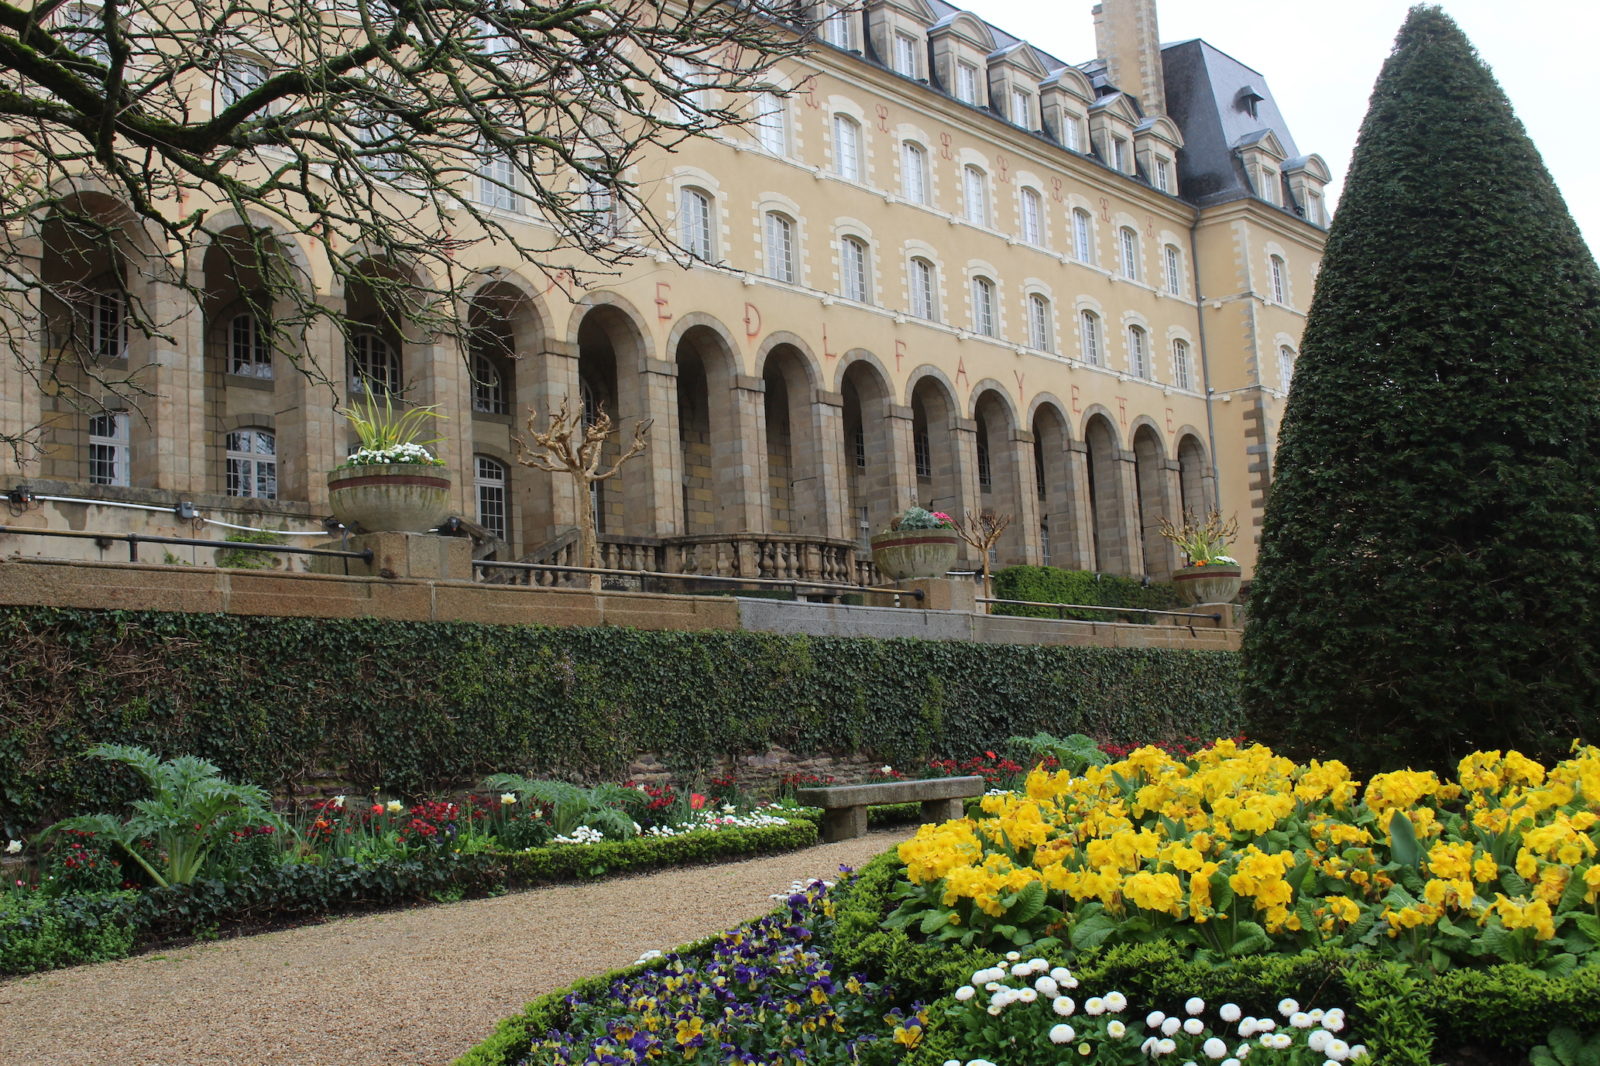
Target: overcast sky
x=1321 y=60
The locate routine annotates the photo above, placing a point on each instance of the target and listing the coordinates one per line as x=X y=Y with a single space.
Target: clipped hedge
x=1049 y=584
x=416 y=708
x=1477 y=1015
x=292 y=893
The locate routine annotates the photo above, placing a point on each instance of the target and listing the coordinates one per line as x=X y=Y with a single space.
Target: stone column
x=828 y=495
x=546 y=502
x=662 y=465
x=1125 y=555
x=21 y=412
x=964 y=479
x=167 y=428
x=311 y=435
x=896 y=488
x=1076 y=520
x=443 y=379
x=740 y=463
x=1020 y=543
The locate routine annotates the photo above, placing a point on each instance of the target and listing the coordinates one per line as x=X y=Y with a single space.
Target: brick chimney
x=1126 y=37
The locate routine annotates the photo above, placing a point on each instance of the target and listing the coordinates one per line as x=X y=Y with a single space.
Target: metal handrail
x=793 y=584
x=1060 y=607
x=133 y=541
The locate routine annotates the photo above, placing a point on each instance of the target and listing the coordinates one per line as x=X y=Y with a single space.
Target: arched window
x=249 y=354
x=1041 y=324
x=1032 y=218
x=374 y=365
x=780 y=247
x=914 y=172
x=975 y=196
x=1082 y=236
x=1138 y=352
x=1280 y=289
x=252 y=464
x=488 y=387
x=846 y=148
x=1173 y=264
x=1285 y=365
x=855 y=281
x=489 y=481
x=1089 y=327
x=772 y=123
x=924 y=290
x=694 y=222
x=1128 y=241
x=983 y=318
x=1181 y=375
x=108 y=448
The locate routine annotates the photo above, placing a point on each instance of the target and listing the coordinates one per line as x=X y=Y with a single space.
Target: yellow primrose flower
x=1155 y=892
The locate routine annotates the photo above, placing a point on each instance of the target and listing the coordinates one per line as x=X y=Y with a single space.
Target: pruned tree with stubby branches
x=328 y=143
x=982 y=530
x=575 y=447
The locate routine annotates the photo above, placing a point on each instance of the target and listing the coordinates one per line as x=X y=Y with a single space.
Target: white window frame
x=1286 y=361
x=1173 y=261
x=966 y=83
x=488 y=387
x=904 y=55
x=985 y=319
x=922 y=278
x=238 y=75
x=1031 y=212
x=252 y=470
x=834 y=26
x=771 y=123
x=1093 y=348
x=914 y=172
x=1020 y=107
x=249 y=354
x=1128 y=244
x=1139 y=352
x=695 y=222
x=499 y=183
x=1082 y=235
x=1041 y=323
x=1163 y=175
x=1071 y=138
x=375 y=365
x=974 y=195
x=1276 y=270
x=855 y=278
x=489 y=484
x=847 y=147
x=108 y=448
x=780 y=241
x=108 y=326
x=1182 y=376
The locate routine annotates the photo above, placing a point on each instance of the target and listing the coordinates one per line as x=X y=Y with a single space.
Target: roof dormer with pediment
x=1307 y=176
x=1111 y=122
x=1262 y=155
x=1064 y=99
x=960 y=43
x=898 y=33
x=1156 y=141
x=1014 y=76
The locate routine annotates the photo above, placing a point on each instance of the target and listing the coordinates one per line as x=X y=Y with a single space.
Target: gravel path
x=408 y=987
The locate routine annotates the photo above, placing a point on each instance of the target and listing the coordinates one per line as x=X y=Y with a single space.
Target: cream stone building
x=949 y=269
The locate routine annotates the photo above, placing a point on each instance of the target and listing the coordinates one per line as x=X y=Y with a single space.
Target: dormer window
x=967 y=83
x=1021 y=110
x=904 y=60
x=1247 y=101
x=1163 y=175
x=834 y=26
x=1119 y=154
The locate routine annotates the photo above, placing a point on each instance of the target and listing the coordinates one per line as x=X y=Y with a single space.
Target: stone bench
x=844 y=807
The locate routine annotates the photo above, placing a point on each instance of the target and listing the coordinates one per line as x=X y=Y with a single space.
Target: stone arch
x=717 y=496
x=1005 y=482
x=940 y=472
x=874 y=472
x=1196 y=487
x=1058 y=484
x=1111 y=539
x=613 y=357
x=797 y=500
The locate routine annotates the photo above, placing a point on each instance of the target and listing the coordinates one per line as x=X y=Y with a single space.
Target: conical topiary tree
x=1429 y=576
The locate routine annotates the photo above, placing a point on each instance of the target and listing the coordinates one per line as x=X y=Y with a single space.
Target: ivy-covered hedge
x=1049 y=584
x=113 y=924
x=417 y=708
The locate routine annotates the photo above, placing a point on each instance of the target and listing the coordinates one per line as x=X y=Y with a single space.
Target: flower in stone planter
x=1204 y=543
x=921 y=518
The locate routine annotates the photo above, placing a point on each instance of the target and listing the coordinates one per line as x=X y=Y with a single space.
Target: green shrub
x=251 y=558
x=39 y=932
x=1048 y=584
x=416 y=708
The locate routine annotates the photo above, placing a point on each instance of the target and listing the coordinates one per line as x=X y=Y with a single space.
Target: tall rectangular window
x=914 y=173
x=252 y=464
x=1032 y=218
x=1180 y=364
x=771 y=123
x=694 y=222
x=249 y=354
x=1279 y=292
x=835 y=27
x=1174 y=270
x=905 y=55
x=923 y=302
x=108 y=448
x=975 y=196
x=1129 y=241
x=1022 y=108
x=847 y=148
x=780 y=247
x=489 y=481
x=1138 y=352
x=1163 y=175
x=1082 y=236
x=983 y=307
x=966 y=83
x=1040 y=326
x=1119 y=154
x=1069 y=131
x=853 y=270
x=1089 y=325
x=498 y=182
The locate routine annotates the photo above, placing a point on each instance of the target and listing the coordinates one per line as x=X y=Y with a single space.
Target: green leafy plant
x=1074 y=754
x=1565 y=1047
x=247 y=558
x=390 y=436
x=190 y=812
x=610 y=809
x=1050 y=584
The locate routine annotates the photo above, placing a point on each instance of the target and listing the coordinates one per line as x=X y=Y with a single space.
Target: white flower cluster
x=796 y=887
x=717 y=821
x=653 y=953
x=399 y=453
x=1014 y=981
x=584 y=834
x=13 y=847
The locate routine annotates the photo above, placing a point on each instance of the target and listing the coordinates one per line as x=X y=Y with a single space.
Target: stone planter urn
x=1212 y=583
x=908 y=553
x=390 y=497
